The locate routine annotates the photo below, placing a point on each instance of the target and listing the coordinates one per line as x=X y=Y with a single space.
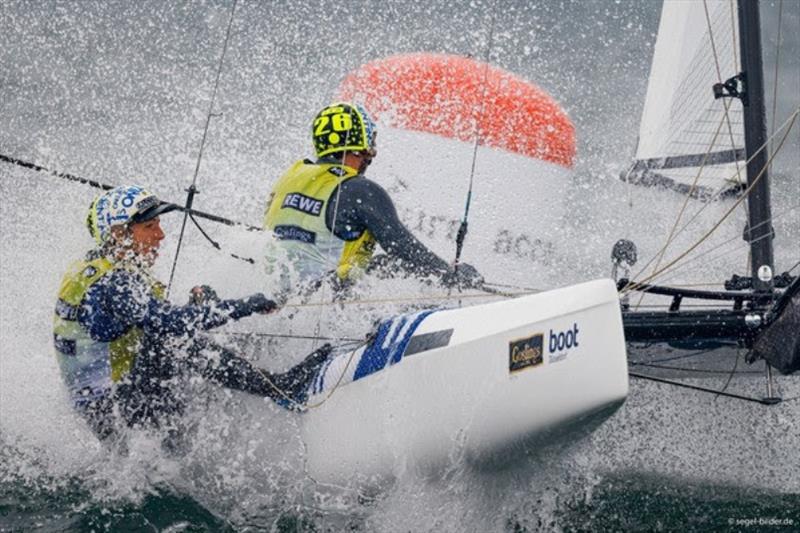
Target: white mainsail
x=688 y=137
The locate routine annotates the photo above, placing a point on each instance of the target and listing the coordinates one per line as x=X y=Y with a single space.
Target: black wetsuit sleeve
x=122 y=300
x=364 y=205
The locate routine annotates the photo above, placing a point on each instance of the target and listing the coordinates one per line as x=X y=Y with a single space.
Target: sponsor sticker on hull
x=525 y=353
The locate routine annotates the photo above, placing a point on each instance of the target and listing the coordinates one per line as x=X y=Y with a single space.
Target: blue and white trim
x=386 y=349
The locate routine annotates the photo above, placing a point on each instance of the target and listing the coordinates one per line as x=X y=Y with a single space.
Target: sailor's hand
x=464 y=275
x=202 y=294
x=259 y=303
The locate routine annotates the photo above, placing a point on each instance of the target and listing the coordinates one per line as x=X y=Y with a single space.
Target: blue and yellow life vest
x=296 y=216
x=90 y=367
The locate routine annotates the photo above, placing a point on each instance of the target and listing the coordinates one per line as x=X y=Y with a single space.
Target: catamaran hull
x=507 y=378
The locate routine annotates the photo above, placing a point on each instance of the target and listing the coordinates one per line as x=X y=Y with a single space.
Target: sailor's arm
x=126 y=300
x=364 y=204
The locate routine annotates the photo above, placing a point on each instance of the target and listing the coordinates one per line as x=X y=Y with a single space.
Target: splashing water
x=119 y=92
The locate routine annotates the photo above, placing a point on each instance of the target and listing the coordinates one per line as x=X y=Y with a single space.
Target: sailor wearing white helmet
x=121 y=345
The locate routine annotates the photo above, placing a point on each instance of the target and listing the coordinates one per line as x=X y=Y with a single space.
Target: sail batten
x=698 y=139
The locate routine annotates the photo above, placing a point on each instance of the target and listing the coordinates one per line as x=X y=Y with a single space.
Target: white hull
x=434 y=407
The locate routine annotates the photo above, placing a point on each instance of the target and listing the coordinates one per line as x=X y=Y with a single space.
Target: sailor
x=121 y=346
x=327 y=216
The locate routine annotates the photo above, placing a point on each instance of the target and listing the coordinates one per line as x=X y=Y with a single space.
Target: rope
x=777 y=64
x=725 y=103
x=338 y=381
x=788 y=121
x=373 y=301
x=216 y=245
x=462 y=230
x=192 y=189
x=732 y=372
x=672 y=233
x=698 y=371
x=673 y=358
x=673 y=272
x=725 y=120
x=328 y=259
x=62 y=175
x=710 y=305
x=306 y=407
x=655 y=274
x=661 y=252
x=530 y=290
x=734 y=29
x=702 y=389
x=286 y=336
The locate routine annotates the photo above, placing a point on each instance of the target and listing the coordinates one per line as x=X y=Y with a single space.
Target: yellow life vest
x=90 y=367
x=296 y=216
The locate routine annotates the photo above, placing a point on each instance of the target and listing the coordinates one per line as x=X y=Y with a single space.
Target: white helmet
x=120 y=206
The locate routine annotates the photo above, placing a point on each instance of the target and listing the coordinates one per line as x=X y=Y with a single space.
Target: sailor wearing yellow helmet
x=121 y=346
x=327 y=217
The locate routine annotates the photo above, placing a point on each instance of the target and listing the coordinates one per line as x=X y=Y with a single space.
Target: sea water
x=119 y=92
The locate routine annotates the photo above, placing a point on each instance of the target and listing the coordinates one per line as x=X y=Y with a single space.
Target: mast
x=759 y=230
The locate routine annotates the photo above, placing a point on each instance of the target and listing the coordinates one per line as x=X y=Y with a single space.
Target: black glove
x=203 y=294
x=465 y=276
x=258 y=303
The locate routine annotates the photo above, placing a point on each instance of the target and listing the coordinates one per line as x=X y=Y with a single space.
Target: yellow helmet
x=343 y=127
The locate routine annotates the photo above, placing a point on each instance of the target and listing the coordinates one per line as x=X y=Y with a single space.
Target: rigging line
x=709 y=306
x=735 y=43
x=719 y=192
x=739 y=200
x=495 y=292
x=700 y=389
x=62 y=175
x=699 y=371
x=732 y=372
x=777 y=64
x=286 y=336
x=795 y=266
x=698 y=284
x=106 y=187
x=672 y=232
x=694 y=217
x=789 y=121
x=322 y=297
x=674 y=358
x=672 y=272
x=338 y=381
x=462 y=229
x=718 y=223
x=306 y=407
x=192 y=190
x=216 y=245
x=725 y=103
x=512 y=286
x=410 y=299
x=703 y=238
